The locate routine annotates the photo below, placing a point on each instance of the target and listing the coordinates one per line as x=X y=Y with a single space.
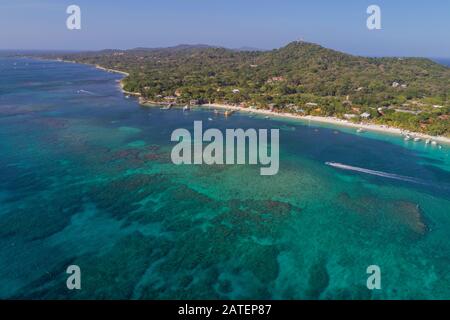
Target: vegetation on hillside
x=302 y=78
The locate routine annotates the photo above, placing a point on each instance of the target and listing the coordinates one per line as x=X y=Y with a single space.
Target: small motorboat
x=360 y=130
x=186 y=108
x=407 y=138
x=417 y=139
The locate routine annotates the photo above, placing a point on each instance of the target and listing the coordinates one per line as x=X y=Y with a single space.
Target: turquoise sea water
x=86 y=179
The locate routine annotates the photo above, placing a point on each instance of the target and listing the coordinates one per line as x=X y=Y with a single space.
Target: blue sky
x=409 y=28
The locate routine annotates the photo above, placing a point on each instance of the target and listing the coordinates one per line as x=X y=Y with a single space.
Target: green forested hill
x=305 y=78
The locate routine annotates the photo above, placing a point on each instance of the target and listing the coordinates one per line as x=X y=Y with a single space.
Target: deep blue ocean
x=87 y=180
x=444 y=61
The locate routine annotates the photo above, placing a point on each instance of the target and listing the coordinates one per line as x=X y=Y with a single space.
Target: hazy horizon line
x=242 y=48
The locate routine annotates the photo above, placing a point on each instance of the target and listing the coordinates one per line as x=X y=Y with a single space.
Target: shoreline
x=121 y=84
x=330 y=120
x=99 y=67
x=110 y=70
x=335 y=121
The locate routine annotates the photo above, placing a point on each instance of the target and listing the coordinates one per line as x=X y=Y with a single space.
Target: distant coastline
x=99 y=67
x=330 y=120
x=443 y=61
x=112 y=70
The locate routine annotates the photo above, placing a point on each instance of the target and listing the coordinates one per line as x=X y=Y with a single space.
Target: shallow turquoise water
x=86 y=179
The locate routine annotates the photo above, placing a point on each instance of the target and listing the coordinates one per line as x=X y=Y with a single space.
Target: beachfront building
x=415 y=112
x=170 y=98
x=349 y=116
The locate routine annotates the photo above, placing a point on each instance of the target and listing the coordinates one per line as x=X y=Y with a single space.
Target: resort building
x=365 y=115
x=349 y=116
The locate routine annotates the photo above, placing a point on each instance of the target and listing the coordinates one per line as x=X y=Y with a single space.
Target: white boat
x=360 y=130
x=186 y=108
x=427 y=141
x=416 y=139
x=127 y=97
x=434 y=143
x=210 y=119
x=407 y=137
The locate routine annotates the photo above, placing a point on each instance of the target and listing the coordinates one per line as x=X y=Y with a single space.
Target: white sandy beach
x=112 y=70
x=335 y=121
x=330 y=120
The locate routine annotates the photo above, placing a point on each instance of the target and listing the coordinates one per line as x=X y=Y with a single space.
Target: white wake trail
x=374 y=172
x=87 y=92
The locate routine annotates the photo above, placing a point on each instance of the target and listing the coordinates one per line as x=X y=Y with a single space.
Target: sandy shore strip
x=121 y=84
x=335 y=121
x=329 y=120
x=136 y=94
x=111 y=70
x=99 y=67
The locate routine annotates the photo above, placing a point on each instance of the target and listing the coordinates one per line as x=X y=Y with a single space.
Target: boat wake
x=86 y=92
x=375 y=173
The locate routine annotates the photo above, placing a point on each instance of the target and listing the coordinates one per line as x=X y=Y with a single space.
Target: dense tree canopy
x=410 y=93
